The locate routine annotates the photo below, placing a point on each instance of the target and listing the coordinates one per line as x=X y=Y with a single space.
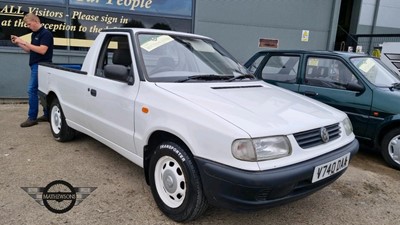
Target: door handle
x=310 y=93
x=93 y=92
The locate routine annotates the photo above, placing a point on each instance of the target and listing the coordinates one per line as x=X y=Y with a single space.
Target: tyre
x=59 y=128
x=175 y=183
x=390 y=148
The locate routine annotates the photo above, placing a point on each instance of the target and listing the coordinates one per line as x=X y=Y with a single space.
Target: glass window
x=330 y=73
x=52 y=18
x=253 y=67
x=172 y=58
x=115 y=59
x=89 y=23
x=375 y=71
x=281 y=68
x=75 y=28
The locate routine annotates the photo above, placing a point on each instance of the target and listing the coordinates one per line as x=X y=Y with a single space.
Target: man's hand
x=21 y=43
x=17 y=40
x=14 y=39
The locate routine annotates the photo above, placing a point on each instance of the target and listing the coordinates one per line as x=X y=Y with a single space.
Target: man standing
x=40 y=50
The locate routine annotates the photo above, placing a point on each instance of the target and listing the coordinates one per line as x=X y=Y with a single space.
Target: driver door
x=325 y=79
x=112 y=99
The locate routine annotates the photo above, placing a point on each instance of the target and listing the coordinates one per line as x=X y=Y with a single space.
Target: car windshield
x=376 y=72
x=170 y=58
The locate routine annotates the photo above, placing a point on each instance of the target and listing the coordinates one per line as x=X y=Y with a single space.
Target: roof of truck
x=155 y=31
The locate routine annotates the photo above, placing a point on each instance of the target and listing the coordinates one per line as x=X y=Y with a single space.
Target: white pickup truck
x=203 y=129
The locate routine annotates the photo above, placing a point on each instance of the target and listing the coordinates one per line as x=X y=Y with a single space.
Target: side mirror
x=117 y=72
x=355 y=87
x=130 y=79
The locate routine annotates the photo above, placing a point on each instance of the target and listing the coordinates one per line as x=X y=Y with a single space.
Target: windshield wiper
x=241 y=77
x=395 y=86
x=207 y=77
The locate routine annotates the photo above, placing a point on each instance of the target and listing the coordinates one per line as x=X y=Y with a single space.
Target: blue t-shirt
x=41 y=37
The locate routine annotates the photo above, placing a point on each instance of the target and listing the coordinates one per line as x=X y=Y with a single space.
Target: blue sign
x=166 y=7
x=42 y=1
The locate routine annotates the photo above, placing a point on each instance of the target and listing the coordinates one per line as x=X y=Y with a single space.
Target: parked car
x=358 y=84
x=178 y=105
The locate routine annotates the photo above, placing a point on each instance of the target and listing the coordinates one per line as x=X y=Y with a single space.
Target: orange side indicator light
x=145 y=109
x=376 y=114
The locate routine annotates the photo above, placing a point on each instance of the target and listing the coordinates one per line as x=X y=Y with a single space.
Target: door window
x=115 y=59
x=329 y=73
x=253 y=67
x=281 y=68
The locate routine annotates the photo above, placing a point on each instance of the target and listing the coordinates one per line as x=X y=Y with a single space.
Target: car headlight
x=260 y=149
x=348 y=128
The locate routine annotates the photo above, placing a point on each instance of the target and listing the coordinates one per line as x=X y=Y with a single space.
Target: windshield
x=375 y=71
x=169 y=58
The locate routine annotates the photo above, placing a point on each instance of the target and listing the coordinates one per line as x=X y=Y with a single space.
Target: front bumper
x=241 y=190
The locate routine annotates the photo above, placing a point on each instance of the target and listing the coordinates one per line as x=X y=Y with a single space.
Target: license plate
x=328 y=169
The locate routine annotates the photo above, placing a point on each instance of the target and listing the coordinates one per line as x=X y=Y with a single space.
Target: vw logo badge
x=324 y=135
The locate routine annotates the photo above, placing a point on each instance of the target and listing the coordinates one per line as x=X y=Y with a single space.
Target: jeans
x=33 y=94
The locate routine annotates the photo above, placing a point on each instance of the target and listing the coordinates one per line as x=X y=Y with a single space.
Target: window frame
x=337 y=84
x=267 y=58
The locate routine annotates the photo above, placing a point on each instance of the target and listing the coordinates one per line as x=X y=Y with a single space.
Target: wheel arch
x=49 y=98
x=155 y=139
x=384 y=130
x=46 y=99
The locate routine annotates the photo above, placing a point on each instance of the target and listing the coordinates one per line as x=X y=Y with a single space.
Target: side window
x=281 y=68
x=330 y=73
x=253 y=67
x=115 y=59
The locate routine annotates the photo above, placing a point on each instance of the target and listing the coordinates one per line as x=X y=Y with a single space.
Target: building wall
x=15 y=71
x=377 y=17
x=239 y=24
x=236 y=24
x=376 y=21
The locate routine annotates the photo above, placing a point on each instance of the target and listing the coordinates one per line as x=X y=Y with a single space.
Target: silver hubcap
x=56 y=119
x=170 y=181
x=394 y=149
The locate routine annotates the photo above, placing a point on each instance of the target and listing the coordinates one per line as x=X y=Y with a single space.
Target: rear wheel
x=59 y=128
x=390 y=148
x=175 y=183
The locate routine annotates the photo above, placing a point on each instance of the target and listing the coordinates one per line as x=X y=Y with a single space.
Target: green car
x=358 y=84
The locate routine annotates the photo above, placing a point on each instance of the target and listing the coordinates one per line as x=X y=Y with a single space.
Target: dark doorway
x=343 y=38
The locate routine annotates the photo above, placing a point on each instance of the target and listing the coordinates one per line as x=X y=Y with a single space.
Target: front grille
x=311 y=138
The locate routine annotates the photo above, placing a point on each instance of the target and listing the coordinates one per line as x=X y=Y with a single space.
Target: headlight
x=260 y=149
x=348 y=128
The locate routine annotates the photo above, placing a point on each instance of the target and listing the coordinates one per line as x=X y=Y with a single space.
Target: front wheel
x=175 y=183
x=391 y=148
x=59 y=128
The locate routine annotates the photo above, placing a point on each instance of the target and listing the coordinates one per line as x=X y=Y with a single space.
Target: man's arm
x=27 y=47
